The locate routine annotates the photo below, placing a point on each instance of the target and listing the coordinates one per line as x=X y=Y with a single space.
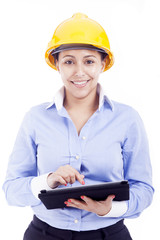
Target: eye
x=69 y=62
x=89 y=62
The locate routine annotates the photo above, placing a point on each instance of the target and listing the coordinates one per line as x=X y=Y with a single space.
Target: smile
x=80 y=84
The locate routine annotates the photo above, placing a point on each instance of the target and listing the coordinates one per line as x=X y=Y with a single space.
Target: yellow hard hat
x=79 y=30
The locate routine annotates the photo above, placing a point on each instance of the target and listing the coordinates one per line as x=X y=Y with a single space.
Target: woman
x=80 y=138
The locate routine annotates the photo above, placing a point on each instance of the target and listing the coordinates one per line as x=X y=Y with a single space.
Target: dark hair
x=103 y=55
x=56 y=55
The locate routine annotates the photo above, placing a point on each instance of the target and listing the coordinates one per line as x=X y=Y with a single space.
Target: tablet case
x=55 y=198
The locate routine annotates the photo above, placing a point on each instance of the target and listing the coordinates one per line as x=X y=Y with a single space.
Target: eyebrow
x=89 y=56
x=84 y=56
x=68 y=56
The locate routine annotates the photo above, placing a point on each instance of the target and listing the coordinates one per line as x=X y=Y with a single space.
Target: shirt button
x=76 y=221
x=83 y=137
x=77 y=157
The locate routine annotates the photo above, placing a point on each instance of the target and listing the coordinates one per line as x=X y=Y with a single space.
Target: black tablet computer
x=55 y=198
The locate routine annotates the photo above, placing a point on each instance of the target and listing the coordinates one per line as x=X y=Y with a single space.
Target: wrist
x=104 y=213
x=118 y=209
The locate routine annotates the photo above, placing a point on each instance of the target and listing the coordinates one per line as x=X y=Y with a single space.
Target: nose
x=79 y=71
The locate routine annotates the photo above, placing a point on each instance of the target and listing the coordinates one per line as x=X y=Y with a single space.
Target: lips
x=80 y=84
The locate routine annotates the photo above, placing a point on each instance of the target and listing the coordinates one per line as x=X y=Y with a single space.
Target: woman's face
x=80 y=70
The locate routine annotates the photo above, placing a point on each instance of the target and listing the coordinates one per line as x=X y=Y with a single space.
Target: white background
x=26 y=80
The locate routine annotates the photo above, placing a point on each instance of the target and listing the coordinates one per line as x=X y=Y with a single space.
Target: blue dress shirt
x=111 y=146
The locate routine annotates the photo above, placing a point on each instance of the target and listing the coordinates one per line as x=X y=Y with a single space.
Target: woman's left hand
x=101 y=208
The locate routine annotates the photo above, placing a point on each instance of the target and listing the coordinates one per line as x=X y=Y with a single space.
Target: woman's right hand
x=63 y=175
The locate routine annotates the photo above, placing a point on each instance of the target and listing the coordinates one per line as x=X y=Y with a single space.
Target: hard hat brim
x=74 y=46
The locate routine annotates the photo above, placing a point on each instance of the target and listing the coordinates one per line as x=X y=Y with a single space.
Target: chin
x=81 y=96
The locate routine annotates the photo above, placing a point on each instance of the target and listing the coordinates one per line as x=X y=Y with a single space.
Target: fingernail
x=69 y=200
x=66 y=184
x=66 y=203
x=113 y=197
x=82 y=197
x=83 y=182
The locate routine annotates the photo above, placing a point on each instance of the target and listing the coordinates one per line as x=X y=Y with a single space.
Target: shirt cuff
x=118 y=209
x=39 y=183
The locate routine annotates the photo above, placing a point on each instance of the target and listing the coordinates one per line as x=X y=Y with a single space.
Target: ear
x=103 y=65
x=105 y=62
x=57 y=65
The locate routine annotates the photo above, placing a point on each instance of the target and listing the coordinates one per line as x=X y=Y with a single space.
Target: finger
x=87 y=200
x=60 y=179
x=75 y=171
x=72 y=179
x=75 y=203
x=70 y=174
x=80 y=178
x=109 y=199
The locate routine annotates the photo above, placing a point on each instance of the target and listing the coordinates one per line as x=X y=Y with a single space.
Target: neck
x=88 y=103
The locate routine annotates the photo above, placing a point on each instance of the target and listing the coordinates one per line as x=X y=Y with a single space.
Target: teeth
x=79 y=83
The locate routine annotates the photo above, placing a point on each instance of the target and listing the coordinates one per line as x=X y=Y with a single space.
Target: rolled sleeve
x=118 y=209
x=39 y=183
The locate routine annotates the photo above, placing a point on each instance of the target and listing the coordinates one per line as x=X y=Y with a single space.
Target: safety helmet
x=79 y=32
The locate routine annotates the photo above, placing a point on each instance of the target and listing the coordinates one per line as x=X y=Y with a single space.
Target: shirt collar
x=59 y=97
